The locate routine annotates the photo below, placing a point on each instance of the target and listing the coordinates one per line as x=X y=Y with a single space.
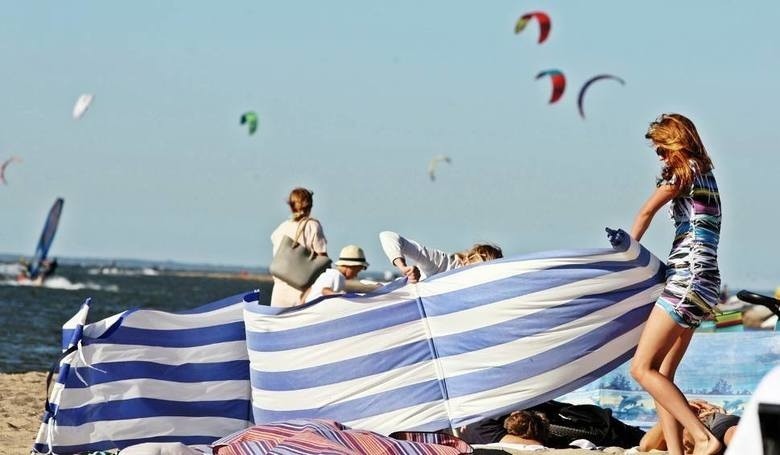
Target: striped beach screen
x=458 y=347
x=149 y=376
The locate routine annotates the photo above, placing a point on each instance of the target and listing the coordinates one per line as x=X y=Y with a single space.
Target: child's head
x=677 y=141
x=527 y=425
x=351 y=261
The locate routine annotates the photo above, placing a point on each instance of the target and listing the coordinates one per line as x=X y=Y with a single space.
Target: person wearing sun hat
x=350 y=263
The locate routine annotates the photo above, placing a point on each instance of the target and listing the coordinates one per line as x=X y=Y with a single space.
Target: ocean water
x=31 y=317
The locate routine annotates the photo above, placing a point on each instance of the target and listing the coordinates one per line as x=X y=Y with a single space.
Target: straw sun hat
x=352 y=255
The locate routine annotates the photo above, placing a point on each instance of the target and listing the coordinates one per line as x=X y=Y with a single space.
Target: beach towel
x=315 y=436
x=149 y=376
x=456 y=348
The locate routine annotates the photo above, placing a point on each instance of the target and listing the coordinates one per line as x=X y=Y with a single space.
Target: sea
x=31 y=317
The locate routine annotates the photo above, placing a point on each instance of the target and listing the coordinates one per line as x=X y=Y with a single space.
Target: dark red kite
x=558 y=83
x=542 y=18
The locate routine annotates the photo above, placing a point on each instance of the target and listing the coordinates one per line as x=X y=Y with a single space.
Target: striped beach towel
x=149 y=376
x=313 y=436
x=456 y=348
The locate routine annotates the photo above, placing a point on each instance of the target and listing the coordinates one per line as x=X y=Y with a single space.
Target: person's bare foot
x=708 y=446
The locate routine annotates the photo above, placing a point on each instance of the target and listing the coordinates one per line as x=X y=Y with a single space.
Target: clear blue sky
x=355 y=98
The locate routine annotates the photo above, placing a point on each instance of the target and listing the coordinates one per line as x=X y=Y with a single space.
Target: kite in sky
x=435 y=163
x=250 y=119
x=581 y=97
x=542 y=18
x=558 y=83
x=5 y=165
x=82 y=104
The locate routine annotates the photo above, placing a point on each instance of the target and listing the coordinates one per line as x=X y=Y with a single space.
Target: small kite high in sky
x=558 y=83
x=542 y=18
x=435 y=163
x=82 y=104
x=250 y=119
x=5 y=165
x=581 y=96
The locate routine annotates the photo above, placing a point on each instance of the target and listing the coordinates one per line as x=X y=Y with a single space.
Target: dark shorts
x=720 y=423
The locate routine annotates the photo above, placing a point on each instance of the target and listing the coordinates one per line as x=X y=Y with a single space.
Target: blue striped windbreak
x=458 y=347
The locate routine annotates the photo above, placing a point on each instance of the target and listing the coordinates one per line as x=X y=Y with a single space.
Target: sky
x=354 y=99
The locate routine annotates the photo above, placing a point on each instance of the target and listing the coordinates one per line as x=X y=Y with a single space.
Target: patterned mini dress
x=692 y=277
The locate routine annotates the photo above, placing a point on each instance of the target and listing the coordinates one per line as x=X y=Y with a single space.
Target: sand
x=22 y=396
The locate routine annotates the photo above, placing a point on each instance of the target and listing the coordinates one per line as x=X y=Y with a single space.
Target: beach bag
x=594 y=423
x=295 y=264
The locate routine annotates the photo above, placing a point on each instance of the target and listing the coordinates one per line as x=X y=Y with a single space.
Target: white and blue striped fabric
x=458 y=347
x=149 y=376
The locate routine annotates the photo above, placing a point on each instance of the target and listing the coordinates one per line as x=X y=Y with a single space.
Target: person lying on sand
x=721 y=424
x=527 y=428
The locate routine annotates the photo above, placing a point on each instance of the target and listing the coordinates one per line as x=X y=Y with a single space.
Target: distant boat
x=40 y=266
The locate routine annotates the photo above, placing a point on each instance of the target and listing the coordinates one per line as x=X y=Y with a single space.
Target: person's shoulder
x=332 y=273
x=282 y=229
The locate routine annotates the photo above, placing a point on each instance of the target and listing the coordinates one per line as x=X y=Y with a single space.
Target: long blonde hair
x=676 y=136
x=300 y=202
x=480 y=252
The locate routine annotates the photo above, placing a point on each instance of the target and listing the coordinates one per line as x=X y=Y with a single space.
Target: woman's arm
x=659 y=198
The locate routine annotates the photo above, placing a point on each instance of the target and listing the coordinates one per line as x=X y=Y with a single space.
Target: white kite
x=434 y=163
x=82 y=104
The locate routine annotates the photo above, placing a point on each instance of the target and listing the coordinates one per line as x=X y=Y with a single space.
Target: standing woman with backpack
x=307 y=231
x=692 y=275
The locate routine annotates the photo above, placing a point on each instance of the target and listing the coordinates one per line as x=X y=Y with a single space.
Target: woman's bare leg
x=660 y=335
x=671 y=427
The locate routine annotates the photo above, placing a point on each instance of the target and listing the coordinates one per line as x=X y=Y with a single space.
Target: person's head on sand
x=300 y=202
x=351 y=261
x=677 y=142
x=528 y=426
x=480 y=252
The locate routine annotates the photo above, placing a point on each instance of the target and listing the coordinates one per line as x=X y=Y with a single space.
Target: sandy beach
x=22 y=396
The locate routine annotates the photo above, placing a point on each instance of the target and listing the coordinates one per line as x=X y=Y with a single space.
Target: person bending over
x=430 y=261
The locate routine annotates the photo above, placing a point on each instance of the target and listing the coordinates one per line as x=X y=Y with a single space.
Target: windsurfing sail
x=47 y=237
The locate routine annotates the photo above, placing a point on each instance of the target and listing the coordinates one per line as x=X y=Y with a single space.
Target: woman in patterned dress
x=692 y=276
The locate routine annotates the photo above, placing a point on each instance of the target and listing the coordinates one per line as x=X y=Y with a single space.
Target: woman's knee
x=639 y=370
